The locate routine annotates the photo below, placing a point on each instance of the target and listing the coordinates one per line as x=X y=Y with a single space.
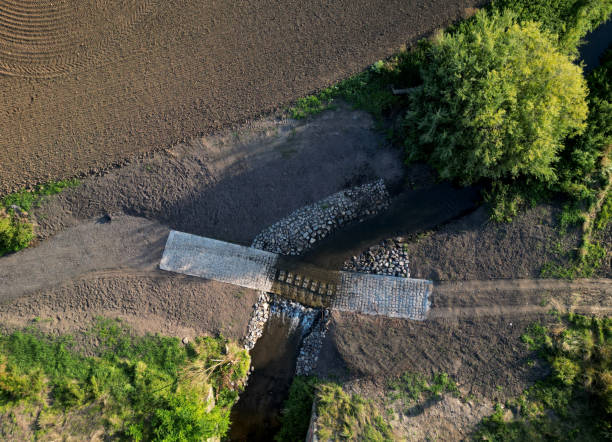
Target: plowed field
x=85 y=84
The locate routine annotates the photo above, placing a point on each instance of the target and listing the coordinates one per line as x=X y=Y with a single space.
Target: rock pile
x=299 y=231
x=311 y=346
x=387 y=258
x=261 y=313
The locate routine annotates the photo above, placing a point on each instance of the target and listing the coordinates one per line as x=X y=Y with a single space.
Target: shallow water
x=255 y=417
x=410 y=212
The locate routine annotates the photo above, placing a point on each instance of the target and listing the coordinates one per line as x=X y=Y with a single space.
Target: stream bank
x=286 y=337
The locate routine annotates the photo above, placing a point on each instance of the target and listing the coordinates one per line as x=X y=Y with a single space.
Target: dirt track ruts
x=168 y=70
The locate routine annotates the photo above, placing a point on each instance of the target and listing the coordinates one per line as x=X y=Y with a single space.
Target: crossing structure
x=261 y=270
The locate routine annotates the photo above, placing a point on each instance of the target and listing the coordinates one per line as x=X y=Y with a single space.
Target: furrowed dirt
x=86 y=85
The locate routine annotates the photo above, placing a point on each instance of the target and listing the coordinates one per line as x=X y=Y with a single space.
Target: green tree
x=497 y=101
x=570 y=20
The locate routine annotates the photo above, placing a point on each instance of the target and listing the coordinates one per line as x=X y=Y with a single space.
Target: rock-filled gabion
x=261 y=313
x=387 y=258
x=311 y=346
x=299 y=231
x=296 y=234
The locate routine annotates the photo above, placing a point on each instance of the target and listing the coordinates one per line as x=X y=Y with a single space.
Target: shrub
x=15 y=233
x=575 y=400
x=297 y=408
x=139 y=388
x=570 y=20
x=497 y=101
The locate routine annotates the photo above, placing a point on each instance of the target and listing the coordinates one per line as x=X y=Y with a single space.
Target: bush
x=497 y=101
x=297 y=408
x=570 y=20
x=582 y=166
x=15 y=233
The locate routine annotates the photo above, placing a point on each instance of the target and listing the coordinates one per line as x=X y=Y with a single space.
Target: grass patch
x=369 y=90
x=27 y=199
x=413 y=388
x=16 y=228
x=133 y=388
x=575 y=401
x=342 y=416
x=351 y=417
x=297 y=409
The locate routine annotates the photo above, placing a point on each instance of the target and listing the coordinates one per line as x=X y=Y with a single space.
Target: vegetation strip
x=137 y=388
x=575 y=401
x=16 y=225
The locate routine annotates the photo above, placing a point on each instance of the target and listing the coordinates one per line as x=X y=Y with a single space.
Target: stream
x=255 y=417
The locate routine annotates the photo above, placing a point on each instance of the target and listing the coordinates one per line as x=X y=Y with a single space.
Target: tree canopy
x=497 y=101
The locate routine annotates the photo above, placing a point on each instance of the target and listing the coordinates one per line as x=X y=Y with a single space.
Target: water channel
x=256 y=415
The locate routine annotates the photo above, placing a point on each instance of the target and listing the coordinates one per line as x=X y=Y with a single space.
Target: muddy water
x=410 y=212
x=255 y=417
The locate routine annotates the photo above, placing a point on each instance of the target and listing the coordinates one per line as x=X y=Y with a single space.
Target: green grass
x=348 y=417
x=414 y=388
x=27 y=199
x=295 y=416
x=581 y=266
x=603 y=217
x=134 y=388
x=341 y=416
x=16 y=229
x=575 y=401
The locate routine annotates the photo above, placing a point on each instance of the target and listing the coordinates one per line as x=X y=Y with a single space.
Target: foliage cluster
x=575 y=401
x=348 y=417
x=413 y=387
x=497 y=101
x=369 y=90
x=569 y=20
x=16 y=231
x=295 y=416
x=137 y=388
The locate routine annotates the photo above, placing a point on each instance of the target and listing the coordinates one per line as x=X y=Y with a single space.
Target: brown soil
x=232 y=185
x=141 y=75
x=476 y=248
x=472 y=333
x=480 y=308
x=228 y=186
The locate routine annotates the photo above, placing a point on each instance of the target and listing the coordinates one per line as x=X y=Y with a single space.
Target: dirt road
x=131 y=77
x=231 y=186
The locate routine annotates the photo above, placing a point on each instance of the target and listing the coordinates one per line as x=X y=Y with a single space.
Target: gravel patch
x=387 y=258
